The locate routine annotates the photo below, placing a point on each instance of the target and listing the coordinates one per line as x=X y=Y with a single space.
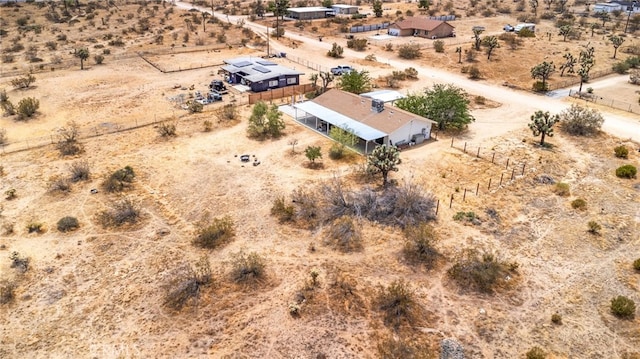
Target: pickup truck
x=340 y=70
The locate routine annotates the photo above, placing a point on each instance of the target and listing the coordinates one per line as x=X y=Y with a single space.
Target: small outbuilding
x=606 y=7
x=369 y=119
x=342 y=9
x=422 y=27
x=259 y=74
x=386 y=96
x=309 y=13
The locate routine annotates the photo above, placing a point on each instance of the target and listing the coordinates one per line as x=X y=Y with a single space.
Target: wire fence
x=613 y=103
x=308 y=64
x=576 y=80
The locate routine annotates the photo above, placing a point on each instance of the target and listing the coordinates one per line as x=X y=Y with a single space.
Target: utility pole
x=630 y=11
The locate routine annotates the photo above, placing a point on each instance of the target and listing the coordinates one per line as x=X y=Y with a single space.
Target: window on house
x=273 y=83
x=292 y=81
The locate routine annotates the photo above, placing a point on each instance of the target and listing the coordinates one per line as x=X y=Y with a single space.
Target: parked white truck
x=528 y=26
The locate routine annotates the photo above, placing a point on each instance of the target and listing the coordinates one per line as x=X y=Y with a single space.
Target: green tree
x=279 y=9
x=258 y=8
x=377 y=8
x=542 y=124
x=313 y=153
x=343 y=137
x=355 y=82
x=265 y=121
x=604 y=16
x=448 y=105
x=423 y=4
x=491 y=43
x=616 y=41
x=477 y=31
x=326 y=78
x=336 y=51
x=27 y=107
x=568 y=65
x=327 y=3
x=543 y=71
x=82 y=54
x=384 y=159
x=565 y=30
x=587 y=60
x=534 y=6
x=581 y=121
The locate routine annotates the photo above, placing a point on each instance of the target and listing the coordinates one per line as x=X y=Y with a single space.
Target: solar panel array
x=262 y=69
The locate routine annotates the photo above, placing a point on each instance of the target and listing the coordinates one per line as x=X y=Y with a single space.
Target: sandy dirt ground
x=99 y=292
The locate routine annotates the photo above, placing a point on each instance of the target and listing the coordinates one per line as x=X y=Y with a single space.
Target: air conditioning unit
x=377 y=105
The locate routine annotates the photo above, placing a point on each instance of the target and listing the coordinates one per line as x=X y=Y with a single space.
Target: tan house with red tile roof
x=422 y=27
x=369 y=119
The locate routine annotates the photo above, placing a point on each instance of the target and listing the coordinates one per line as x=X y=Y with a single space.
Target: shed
x=342 y=9
x=607 y=7
x=422 y=27
x=308 y=13
x=385 y=96
x=259 y=74
x=367 y=118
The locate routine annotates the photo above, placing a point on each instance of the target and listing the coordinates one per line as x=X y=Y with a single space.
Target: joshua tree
x=617 y=41
x=384 y=159
x=490 y=42
x=82 y=54
x=543 y=71
x=542 y=124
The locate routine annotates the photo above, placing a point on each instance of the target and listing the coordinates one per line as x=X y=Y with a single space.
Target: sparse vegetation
x=594 y=227
x=119 y=180
x=68 y=142
x=265 y=121
x=282 y=211
x=19 y=263
x=623 y=307
x=398 y=304
x=218 y=232
x=124 y=211
x=579 y=203
x=636 y=264
x=536 y=353
x=186 y=283
x=35 y=227
x=248 y=268
x=80 y=171
x=621 y=151
x=409 y=51
x=27 y=108
x=345 y=234
x=556 y=319
x=562 y=189
x=67 y=224
x=167 y=129
x=581 y=121
x=23 y=82
x=419 y=246
x=336 y=51
x=7 y=289
x=313 y=153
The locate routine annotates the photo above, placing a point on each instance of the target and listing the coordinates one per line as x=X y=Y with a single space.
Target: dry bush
x=337 y=201
x=419 y=246
x=397 y=303
x=483 y=273
x=119 y=180
x=623 y=307
x=409 y=51
x=403 y=348
x=6 y=291
x=562 y=189
x=593 y=227
x=621 y=151
x=406 y=205
x=306 y=206
x=121 y=212
x=248 y=268
x=27 y=108
x=35 y=227
x=67 y=224
x=21 y=264
x=80 y=171
x=167 y=129
x=345 y=235
x=343 y=294
x=282 y=211
x=185 y=284
x=68 y=143
x=215 y=234
x=579 y=203
x=59 y=185
x=23 y=82
x=536 y=353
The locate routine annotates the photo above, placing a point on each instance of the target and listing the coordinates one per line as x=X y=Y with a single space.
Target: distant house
x=259 y=74
x=627 y=6
x=607 y=7
x=422 y=27
x=341 y=9
x=308 y=13
x=386 y=96
x=369 y=119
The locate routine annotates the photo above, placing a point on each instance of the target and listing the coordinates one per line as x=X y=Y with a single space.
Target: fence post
x=51 y=139
x=464 y=195
x=523 y=166
x=478 y=154
x=501 y=177
x=465 y=148
x=437 y=206
x=451 y=201
x=493 y=157
x=451 y=141
x=489 y=186
x=477 y=188
x=513 y=171
x=507 y=167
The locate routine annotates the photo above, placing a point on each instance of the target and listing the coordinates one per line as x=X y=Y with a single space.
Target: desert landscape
x=114 y=187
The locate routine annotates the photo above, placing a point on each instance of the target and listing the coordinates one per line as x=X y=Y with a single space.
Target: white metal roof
x=344 y=6
x=336 y=119
x=309 y=9
x=257 y=69
x=384 y=95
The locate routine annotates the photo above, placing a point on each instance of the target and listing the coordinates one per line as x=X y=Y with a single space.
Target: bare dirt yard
x=105 y=290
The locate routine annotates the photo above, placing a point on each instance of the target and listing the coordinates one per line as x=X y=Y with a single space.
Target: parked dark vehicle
x=218 y=86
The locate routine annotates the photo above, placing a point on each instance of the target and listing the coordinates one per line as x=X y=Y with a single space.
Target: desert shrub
x=474 y=73
x=548 y=15
x=466 y=217
x=119 y=180
x=282 y=211
x=397 y=303
x=247 y=268
x=10 y=194
x=480 y=100
x=121 y=212
x=419 y=246
x=536 y=353
x=621 y=151
x=409 y=51
x=345 y=235
x=21 y=264
x=215 y=234
x=68 y=136
x=526 y=33
x=336 y=151
x=579 y=203
x=391 y=348
x=399 y=75
x=388 y=47
x=623 y=307
x=167 y=129
x=195 y=107
x=23 y=82
x=562 y=189
x=27 y=107
x=207 y=126
x=511 y=39
x=636 y=264
x=66 y=224
x=621 y=67
x=371 y=57
x=483 y=273
x=336 y=51
x=626 y=171
x=438 y=45
x=306 y=206
x=6 y=291
x=80 y=171
x=59 y=184
x=99 y=59
x=581 y=121
x=411 y=73
x=3 y=137
x=556 y=319
x=185 y=284
x=404 y=206
x=228 y=112
x=35 y=227
x=357 y=44
x=593 y=227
